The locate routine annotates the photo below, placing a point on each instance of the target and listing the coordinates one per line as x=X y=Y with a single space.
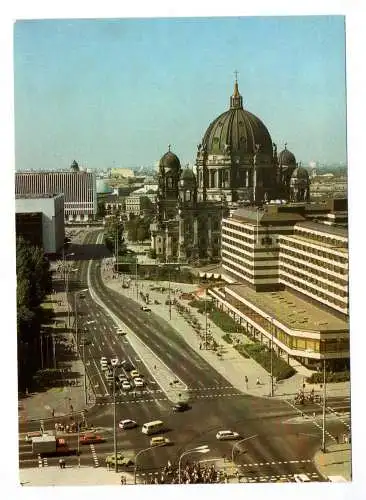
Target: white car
x=121 y=332
x=138 y=382
x=145 y=308
x=126 y=386
x=302 y=478
x=226 y=435
x=122 y=378
x=127 y=424
x=114 y=361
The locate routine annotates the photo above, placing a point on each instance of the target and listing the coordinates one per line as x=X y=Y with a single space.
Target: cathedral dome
x=300 y=173
x=285 y=157
x=188 y=174
x=187 y=179
x=169 y=161
x=75 y=166
x=237 y=131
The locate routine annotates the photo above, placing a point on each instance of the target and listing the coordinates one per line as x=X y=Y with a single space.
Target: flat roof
x=291 y=310
x=324 y=228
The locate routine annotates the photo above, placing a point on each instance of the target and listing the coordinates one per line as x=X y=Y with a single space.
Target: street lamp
x=198 y=449
x=76 y=315
x=139 y=453
x=237 y=444
x=85 y=384
x=272 y=392
x=114 y=364
x=324 y=397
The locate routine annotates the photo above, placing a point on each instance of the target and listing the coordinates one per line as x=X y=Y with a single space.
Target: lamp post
x=84 y=363
x=272 y=392
x=324 y=407
x=136 y=282
x=237 y=444
x=114 y=415
x=136 y=457
x=76 y=315
x=198 y=449
x=66 y=279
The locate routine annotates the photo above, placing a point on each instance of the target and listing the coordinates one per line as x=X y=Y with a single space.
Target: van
x=152 y=427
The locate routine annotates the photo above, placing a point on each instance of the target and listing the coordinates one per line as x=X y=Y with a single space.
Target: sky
x=117 y=92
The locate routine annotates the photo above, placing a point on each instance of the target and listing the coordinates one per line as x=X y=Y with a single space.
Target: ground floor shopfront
x=303 y=342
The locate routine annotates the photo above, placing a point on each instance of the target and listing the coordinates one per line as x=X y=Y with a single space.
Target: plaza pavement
x=231 y=365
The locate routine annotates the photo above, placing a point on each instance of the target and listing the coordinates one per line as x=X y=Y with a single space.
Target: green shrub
x=259 y=352
x=318 y=378
x=225 y=322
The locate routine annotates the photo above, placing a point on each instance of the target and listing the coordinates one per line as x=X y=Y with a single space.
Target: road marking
x=95 y=456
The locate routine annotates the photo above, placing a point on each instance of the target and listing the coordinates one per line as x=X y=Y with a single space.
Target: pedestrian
x=200 y=346
x=258 y=381
x=53 y=412
x=246 y=381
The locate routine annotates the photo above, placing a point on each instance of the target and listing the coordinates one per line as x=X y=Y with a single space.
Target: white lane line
x=94 y=455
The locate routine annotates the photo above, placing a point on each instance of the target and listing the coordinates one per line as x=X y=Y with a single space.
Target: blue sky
x=117 y=92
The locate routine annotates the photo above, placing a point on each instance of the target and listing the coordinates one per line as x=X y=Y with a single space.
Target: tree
x=33 y=283
x=114 y=230
x=101 y=209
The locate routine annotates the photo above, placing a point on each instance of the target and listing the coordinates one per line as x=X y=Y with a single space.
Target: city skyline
x=71 y=101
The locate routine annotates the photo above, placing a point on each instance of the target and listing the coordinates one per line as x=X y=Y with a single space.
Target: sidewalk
x=231 y=365
x=60 y=400
x=336 y=462
x=71 y=476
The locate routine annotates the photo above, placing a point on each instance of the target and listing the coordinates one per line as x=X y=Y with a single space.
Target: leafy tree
x=114 y=229
x=101 y=209
x=33 y=283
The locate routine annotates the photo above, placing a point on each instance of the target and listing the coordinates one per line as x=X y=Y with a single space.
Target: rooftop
x=324 y=228
x=36 y=196
x=291 y=310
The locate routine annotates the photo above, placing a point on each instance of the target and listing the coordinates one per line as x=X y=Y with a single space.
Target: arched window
x=188 y=195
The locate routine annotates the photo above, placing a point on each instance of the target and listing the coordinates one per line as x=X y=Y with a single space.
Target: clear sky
x=117 y=92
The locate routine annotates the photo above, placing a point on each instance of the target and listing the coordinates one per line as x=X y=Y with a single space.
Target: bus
x=152 y=427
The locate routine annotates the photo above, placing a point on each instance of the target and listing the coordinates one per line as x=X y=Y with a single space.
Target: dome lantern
x=236 y=100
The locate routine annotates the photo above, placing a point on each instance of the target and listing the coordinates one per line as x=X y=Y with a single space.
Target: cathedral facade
x=236 y=163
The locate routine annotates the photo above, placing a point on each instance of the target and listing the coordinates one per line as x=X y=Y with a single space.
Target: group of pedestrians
x=191 y=473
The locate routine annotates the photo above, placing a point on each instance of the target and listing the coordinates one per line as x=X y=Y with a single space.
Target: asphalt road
x=284 y=442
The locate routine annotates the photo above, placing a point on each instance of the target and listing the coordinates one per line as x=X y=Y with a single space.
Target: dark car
x=126 y=365
x=181 y=406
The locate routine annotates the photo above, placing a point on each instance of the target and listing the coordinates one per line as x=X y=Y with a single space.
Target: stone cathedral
x=236 y=163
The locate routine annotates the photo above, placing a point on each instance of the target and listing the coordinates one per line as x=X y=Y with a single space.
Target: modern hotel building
x=287 y=277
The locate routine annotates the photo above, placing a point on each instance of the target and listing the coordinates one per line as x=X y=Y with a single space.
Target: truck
x=50 y=445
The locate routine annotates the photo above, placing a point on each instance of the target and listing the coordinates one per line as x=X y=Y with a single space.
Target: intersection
x=287 y=436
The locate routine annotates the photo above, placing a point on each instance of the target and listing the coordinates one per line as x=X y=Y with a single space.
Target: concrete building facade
x=42 y=215
x=78 y=188
x=288 y=279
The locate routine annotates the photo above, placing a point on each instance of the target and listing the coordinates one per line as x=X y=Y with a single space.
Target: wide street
x=282 y=440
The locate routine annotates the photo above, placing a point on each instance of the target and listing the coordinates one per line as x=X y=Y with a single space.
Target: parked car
x=91 y=438
x=127 y=424
x=227 y=435
x=145 y=308
x=159 y=441
x=181 y=406
x=135 y=374
x=121 y=332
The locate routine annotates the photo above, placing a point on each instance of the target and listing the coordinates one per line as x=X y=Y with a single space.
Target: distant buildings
x=39 y=219
x=78 y=188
